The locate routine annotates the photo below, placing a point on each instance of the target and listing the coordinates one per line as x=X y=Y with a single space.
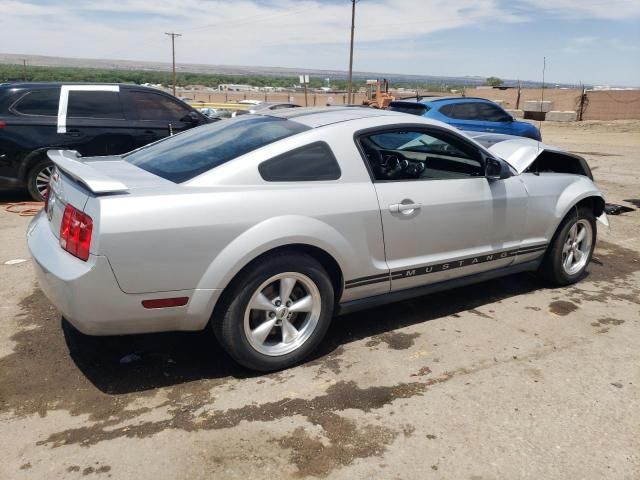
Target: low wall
x=612 y=105
x=314 y=99
x=598 y=105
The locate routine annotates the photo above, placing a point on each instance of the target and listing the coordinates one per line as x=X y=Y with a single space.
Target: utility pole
x=353 y=18
x=173 y=55
x=24 y=69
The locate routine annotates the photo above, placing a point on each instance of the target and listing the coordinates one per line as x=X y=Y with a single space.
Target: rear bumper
x=88 y=295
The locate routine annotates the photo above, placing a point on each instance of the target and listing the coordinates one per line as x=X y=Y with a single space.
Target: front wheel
x=571 y=248
x=276 y=312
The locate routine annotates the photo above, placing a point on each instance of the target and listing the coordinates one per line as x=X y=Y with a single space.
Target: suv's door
x=155 y=115
x=477 y=116
x=95 y=123
x=441 y=217
x=29 y=126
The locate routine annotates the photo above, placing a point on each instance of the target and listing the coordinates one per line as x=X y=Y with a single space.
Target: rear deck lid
x=77 y=180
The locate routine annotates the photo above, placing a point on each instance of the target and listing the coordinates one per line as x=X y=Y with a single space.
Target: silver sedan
x=265 y=227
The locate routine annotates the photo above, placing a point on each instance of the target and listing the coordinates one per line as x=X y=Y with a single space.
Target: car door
x=156 y=115
x=96 y=124
x=441 y=217
x=29 y=127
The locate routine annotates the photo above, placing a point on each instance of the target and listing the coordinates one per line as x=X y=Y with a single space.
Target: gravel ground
x=505 y=379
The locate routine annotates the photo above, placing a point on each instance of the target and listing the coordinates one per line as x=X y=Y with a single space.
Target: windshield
x=185 y=156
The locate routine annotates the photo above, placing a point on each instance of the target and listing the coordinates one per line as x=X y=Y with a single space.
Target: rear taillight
x=75 y=232
x=3 y=124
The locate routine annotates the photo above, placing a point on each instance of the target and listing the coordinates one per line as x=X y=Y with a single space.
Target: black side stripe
x=370 y=277
x=440 y=267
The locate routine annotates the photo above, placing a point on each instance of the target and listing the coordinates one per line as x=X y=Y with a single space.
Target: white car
x=264 y=227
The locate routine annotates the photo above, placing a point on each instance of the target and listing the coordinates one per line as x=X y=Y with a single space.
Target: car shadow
x=132 y=363
x=14 y=196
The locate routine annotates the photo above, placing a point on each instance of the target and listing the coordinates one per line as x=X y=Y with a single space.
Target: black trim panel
x=400 y=295
x=440 y=267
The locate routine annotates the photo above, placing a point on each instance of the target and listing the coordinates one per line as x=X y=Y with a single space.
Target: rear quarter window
x=43 y=102
x=189 y=154
x=313 y=162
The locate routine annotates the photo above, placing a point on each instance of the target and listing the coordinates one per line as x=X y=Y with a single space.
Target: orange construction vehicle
x=378 y=94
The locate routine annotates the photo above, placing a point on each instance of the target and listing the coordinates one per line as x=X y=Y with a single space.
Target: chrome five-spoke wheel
x=577 y=247
x=282 y=313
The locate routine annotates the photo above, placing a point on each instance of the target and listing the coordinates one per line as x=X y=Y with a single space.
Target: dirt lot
x=506 y=379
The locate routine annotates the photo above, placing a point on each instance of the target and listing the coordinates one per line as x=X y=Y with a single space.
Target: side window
x=461 y=111
x=447 y=110
x=312 y=162
x=39 y=102
x=94 y=104
x=491 y=113
x=420 y=155
x=152 y=106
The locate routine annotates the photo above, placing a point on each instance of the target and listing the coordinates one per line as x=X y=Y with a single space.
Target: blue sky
x=593 y=41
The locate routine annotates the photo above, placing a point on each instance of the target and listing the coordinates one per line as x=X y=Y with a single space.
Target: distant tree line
x=13 y=73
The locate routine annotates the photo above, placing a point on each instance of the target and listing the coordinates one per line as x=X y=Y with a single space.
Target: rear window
x=412 y=108
x=187 y=155
x=39 y=102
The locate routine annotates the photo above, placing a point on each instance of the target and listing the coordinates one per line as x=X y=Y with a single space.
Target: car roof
x=318 y=117
x=34 y=85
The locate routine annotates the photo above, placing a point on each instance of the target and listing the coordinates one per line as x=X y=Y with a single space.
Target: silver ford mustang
x=264 y=227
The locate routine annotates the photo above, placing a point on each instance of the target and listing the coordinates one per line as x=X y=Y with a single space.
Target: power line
x=173 y=36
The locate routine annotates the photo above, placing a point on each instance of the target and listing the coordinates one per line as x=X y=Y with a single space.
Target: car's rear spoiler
x=69 y=162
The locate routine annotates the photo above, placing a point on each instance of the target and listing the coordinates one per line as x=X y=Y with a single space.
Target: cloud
x=223 y=31
x=391 y=35
x=579 y=44
x=600 y=9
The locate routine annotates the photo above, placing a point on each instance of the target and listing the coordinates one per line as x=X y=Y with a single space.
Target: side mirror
x=192 y=117
x=496 y=170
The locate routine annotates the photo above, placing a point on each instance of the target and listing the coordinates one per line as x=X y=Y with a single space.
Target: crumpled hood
x=519 y=152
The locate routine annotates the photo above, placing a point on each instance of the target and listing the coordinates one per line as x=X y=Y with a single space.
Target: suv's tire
x=276 y=345
x=571 y=248
x=38 y=179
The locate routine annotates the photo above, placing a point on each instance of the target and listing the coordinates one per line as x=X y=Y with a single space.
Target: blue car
x=475 y=114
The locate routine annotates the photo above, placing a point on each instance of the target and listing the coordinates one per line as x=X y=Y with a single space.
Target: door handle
x=73 y=133
x=147 y=135
x=406 y=207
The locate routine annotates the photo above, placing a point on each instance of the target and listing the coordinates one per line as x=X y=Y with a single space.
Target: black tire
x=552 y=268
x=229 y=318
x=34 y=183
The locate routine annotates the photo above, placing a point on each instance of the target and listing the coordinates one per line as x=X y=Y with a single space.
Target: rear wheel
x=38 y=179
x=276 y=312
x=571 y=248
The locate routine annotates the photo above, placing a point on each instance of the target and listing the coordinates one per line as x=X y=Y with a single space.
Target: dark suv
x=94 y=119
